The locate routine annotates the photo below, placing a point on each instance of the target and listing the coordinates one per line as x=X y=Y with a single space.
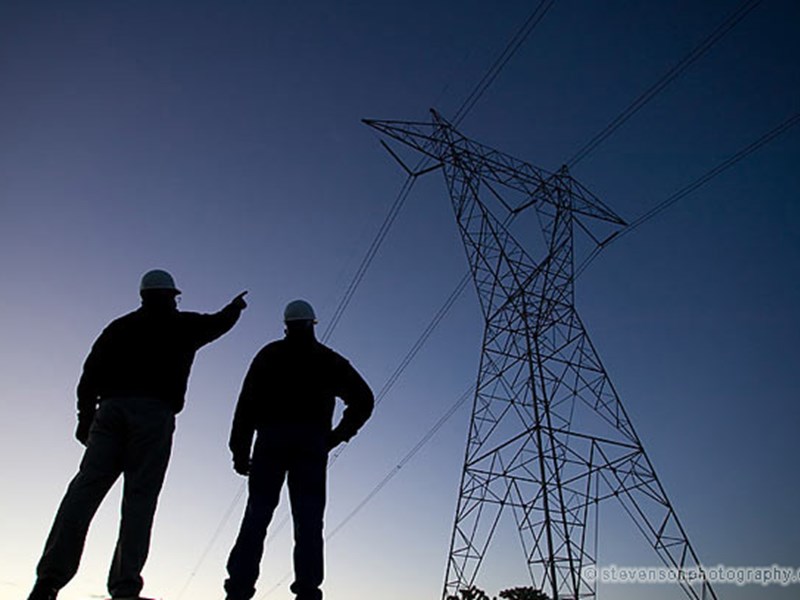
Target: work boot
x=43 y=590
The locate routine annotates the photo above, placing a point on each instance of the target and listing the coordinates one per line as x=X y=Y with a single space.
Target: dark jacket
x=296 y=381
x=149 y=353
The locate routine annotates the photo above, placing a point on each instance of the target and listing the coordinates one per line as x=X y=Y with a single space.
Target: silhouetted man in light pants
x=133 y=384
x=288 y=396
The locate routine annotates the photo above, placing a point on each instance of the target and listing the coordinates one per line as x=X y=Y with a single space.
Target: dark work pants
x=130 y=437
x=298 y=455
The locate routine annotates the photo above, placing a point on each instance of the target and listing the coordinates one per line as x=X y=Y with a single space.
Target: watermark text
x=720 y=574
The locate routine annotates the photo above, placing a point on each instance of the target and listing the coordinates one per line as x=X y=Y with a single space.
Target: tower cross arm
x=442 y=142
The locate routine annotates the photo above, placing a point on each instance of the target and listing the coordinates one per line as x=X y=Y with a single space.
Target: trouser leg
x=307 y=482
x=146 y=456
x=264 y=486
x=99 y=469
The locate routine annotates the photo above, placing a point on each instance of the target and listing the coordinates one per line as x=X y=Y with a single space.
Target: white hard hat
x=299 y=310
x=158 y=279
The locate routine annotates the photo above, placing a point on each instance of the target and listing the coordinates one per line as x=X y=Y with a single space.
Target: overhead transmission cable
x=519 y=37
x=673 y=73
x=500 y=62
x=214 y=538
x=405 y=460
x=370 y=255
x=440 y=314
x=762 y=141
x=724 y=166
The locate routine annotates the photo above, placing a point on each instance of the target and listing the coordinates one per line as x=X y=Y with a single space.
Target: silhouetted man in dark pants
x=288 y=396
x=133 y=384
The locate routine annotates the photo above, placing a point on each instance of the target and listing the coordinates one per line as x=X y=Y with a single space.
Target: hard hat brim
x=175 y=291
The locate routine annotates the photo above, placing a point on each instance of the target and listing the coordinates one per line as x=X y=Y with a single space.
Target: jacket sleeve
x=93 y=369
x=208 y=327
x=358 y=398
x=245 y=415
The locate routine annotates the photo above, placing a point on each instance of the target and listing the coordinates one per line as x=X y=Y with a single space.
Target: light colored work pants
x=131 y=437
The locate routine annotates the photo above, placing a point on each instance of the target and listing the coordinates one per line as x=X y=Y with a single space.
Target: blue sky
x=222 y=141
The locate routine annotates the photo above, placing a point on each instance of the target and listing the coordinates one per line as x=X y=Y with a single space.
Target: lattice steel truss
x=549 y=438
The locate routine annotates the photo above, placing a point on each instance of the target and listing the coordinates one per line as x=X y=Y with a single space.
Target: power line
x=762 y=141
x=415 y=348
x=724 y=166
x=500 y=62
x=719 y=32
x=480 y=88
x=220 y=527
x=406 y=458
x=459 y=289
x=405 y=190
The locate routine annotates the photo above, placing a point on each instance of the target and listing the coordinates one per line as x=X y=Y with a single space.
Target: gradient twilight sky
x=222 y=141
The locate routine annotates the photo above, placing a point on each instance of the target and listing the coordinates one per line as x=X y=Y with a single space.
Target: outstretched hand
x=239 y=301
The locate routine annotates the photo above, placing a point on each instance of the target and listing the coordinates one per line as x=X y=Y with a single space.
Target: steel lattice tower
x=549 y=438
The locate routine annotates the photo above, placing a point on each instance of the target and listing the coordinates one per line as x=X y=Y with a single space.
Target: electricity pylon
x=549 y=438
